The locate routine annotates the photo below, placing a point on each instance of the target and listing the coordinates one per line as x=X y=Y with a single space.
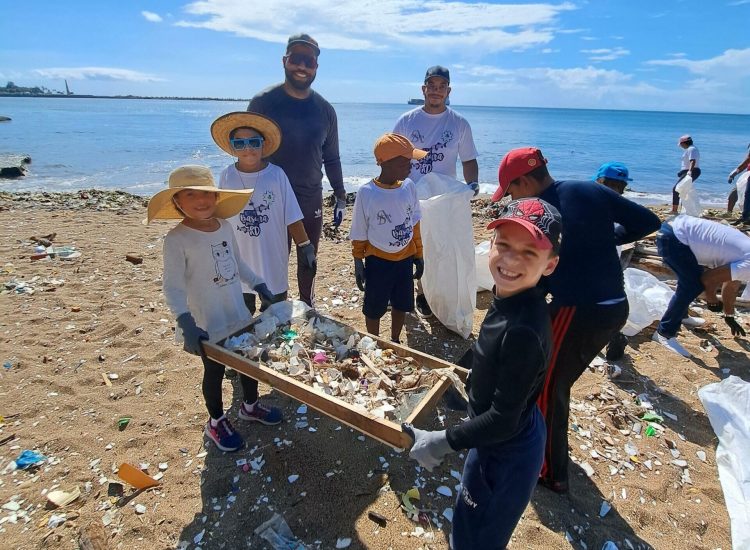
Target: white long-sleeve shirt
x=202 y=276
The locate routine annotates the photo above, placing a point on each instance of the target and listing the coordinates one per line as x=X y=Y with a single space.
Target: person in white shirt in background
x=445 y=135
x=704 y=254
x=689 y=167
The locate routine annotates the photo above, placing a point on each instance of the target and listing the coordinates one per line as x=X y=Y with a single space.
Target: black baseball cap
x=438 y=70
x=305 y=39
x=538 y=217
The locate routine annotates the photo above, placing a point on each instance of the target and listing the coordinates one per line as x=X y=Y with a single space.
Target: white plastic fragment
x=445 y=491
x=604 y=508
x=343 y=542
x=292 y=478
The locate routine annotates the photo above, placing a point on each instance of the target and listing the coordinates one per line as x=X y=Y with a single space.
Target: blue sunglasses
x=238 y=144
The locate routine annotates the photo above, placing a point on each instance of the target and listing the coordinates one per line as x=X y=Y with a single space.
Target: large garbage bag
x=727 y=404
x=648 y=299
x=449 y=280
x=689 y=197
x=741 y=184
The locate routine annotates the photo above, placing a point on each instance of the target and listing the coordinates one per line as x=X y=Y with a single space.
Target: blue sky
x=651 y=55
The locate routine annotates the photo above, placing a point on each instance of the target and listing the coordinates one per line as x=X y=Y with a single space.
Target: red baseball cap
x=538 y=217
x=515 y=164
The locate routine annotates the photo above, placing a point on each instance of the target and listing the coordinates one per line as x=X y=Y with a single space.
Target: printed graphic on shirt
x=383 y=217
x=466 y=496
x=318 y=213
x=435 y=153
x=252 y=217
x=226 y=267
x=403 y=231
x=416 y=137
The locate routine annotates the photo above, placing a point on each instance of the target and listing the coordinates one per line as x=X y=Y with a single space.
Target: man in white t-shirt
x=445 y=135
x=704 y=254
x=688 y=167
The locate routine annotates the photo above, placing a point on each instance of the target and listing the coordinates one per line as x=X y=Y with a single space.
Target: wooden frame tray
x=384 y=430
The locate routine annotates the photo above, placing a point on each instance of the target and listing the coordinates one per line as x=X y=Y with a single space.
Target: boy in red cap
x=386 y=242
x=505 y=431
x=589 y=304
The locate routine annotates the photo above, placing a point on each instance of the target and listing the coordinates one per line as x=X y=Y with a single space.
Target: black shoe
x=422 y=307
x=741 y=221
x=616 y=347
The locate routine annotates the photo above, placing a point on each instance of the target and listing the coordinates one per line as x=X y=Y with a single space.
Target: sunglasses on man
x=238 y=144
x=302 y=59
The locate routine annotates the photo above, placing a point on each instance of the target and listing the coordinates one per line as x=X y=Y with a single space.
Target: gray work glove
x=418 y=268
x=474 y=186
x=191 y=334
x=306 y=256
x=732 y=174
x=266 y=296
x=339 y=211
x=359 y=273
x=429 y=448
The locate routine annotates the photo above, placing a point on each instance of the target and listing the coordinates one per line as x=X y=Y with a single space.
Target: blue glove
x=359 y=273
x=429 y=448
x=418 y=268
x=191 y=334
x=339 y=210
x=306 y=256
x=474 y=187
x=266 y=297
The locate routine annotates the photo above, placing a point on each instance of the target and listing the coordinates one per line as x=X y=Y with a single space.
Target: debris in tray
x=334 y=359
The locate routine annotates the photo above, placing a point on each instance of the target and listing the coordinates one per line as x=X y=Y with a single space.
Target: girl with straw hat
x=201 y=286
x=264 y=226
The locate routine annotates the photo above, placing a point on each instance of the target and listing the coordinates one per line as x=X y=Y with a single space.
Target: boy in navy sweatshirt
x=505 y=432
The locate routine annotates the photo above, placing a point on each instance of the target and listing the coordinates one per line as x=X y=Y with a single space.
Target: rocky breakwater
x=13 y=166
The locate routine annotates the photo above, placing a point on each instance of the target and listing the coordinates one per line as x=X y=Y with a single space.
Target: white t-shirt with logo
x=202 y=276
x=715 y=244
x=691 y=153
x=261 y=227
x=445 y=136
x=385 y=217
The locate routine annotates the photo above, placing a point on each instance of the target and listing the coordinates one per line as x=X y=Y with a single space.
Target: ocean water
x=132 y=145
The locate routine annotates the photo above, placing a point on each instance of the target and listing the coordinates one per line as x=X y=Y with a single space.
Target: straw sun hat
x=223 y=126
x=199 y=178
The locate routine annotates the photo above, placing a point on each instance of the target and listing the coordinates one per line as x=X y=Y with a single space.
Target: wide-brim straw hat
x=223 y=126
x=199 y=178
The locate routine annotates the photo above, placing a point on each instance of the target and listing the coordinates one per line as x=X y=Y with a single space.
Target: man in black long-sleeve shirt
x=589 y=304
x=310 y=142
x=505 y=432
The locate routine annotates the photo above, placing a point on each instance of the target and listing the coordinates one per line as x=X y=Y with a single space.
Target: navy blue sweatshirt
x=595 y=219
x=509 y=364
x=309 y=140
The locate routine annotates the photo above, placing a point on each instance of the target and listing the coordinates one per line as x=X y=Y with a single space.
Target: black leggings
x=213 y=374
x=680 y=175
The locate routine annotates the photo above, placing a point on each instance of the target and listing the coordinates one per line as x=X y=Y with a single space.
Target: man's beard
x=296 y=84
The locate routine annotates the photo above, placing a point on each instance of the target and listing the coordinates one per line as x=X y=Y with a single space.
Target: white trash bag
x=689 y=197
x=481 y=259
x=449 y=280
x=727 y=404
x=648 y=299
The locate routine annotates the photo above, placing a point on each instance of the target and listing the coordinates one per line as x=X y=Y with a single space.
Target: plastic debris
x=62 y=498
x=445 y=491
x=135 y=477
x=377 y=518
x=140 y=509
x=123 y=422
x=292 y=478
x=278 y=535
x=27 y=459
x=55 y=520
x=604 y=508
x=343 y=542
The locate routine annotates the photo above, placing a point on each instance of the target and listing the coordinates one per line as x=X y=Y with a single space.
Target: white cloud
x=373 y=24
x=739 y=3
x=151 y=16
x=730 y=64
x=606 y=54
x=97 y=73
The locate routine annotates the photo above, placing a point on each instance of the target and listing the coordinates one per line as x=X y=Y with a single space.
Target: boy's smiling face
x=515 y=261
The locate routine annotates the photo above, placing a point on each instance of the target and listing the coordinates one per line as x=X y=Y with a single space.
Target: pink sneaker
x=269 y=416
x=224 y=435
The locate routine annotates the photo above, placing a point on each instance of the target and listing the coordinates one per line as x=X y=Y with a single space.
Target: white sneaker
x=671 y=344
x=693 y=322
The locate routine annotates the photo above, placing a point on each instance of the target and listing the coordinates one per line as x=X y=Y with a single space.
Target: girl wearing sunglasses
x=263 y=227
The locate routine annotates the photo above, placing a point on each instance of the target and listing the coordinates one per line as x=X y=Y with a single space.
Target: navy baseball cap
x=438 y=70
x=613 y=171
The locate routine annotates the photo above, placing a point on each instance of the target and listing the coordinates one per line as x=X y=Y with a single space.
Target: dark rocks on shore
x=5 y=118
x=13 y=166
x=85 y=199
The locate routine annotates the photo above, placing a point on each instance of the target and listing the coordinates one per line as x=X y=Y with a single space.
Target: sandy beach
x=89 y=340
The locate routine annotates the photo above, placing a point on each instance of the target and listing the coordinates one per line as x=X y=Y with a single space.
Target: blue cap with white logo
x=613 y=171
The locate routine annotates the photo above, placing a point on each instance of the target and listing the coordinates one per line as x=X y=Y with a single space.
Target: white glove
x=430 y=447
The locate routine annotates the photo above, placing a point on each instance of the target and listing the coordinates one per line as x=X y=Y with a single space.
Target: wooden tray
x=384 y=430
